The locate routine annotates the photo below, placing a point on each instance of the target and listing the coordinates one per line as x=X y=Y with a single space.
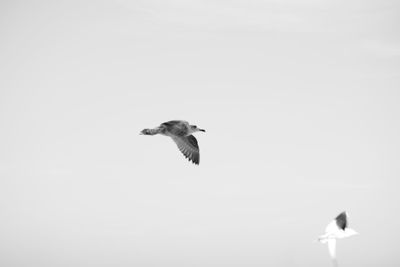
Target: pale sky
x=300 y=100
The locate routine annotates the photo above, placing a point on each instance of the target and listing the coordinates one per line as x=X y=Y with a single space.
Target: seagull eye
x=194 y=126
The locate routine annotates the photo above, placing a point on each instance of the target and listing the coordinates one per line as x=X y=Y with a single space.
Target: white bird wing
x=189 y=147
x=349 y=232
x=331 y=228
x=332 y=248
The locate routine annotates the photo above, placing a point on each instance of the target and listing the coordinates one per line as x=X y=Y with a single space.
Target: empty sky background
x=300 y=100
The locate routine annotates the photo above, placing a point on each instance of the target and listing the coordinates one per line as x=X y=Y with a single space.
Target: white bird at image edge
x=336 y=229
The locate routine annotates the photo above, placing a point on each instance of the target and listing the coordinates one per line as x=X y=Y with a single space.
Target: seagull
x=336 y=229
x=181 y=133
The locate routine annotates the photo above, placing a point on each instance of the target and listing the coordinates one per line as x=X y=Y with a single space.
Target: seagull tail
x=151 y=131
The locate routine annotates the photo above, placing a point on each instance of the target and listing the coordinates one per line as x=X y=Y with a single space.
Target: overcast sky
x=300 y=100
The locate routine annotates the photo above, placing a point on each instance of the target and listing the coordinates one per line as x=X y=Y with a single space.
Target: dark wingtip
x=195 y=161
x=342 y=214
x=341 y=220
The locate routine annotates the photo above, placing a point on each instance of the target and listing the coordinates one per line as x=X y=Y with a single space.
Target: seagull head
x=196 y=129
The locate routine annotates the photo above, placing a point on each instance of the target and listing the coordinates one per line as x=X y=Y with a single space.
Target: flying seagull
x=336 y=229
x=181 y=132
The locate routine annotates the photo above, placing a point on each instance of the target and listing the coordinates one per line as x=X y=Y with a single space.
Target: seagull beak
x=202 y=130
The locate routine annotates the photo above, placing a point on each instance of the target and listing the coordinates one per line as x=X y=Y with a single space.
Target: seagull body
x=181 y=133
x=336 y=229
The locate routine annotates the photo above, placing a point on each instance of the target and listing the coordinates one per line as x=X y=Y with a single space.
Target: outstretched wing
x=331 y=228
x=332 y=248
x=341 y=220
x=189 y=147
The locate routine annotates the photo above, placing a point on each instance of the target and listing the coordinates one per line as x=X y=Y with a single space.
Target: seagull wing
x=349 y=232
x=331 y=228
x=189 y=147
x=341 y=220
x=332 y=248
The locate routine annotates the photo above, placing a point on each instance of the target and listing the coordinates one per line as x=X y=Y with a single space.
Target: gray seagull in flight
x=181 y=132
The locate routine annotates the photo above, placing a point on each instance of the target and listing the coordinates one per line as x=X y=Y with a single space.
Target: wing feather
x=332 y=248
x=341 y=220
x=189 y=147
